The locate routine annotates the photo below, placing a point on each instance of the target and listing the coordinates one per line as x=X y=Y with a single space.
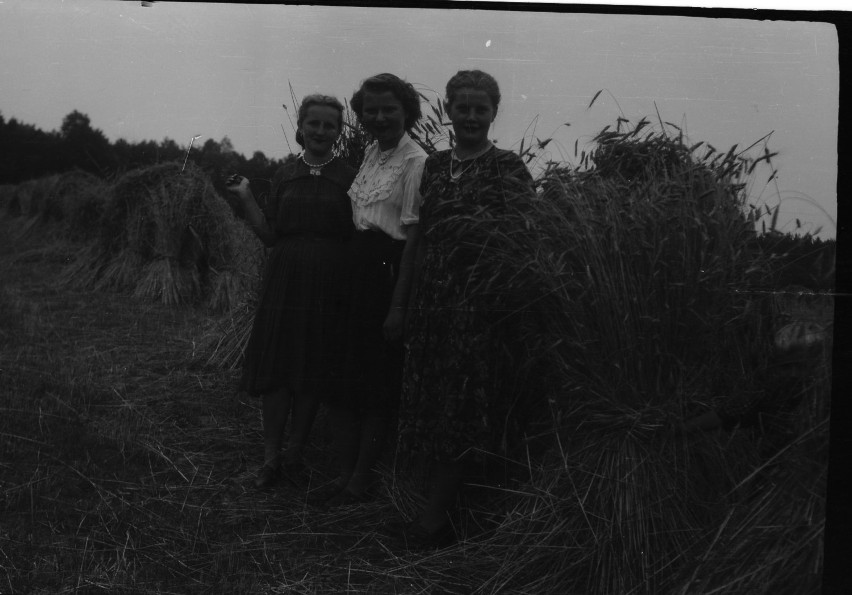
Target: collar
x=336 y=171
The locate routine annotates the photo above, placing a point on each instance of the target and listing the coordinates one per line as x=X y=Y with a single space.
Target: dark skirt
x=296 y=341
x=372 y=376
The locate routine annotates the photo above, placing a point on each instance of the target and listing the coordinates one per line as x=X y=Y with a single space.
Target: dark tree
x=83 y=146
x=26 y=152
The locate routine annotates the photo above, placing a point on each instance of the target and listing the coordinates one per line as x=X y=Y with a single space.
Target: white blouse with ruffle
x=386 y=197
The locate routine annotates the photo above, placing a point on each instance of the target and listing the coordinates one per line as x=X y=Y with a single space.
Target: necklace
x=454 y=176
x=383 y=156
x=316 y=168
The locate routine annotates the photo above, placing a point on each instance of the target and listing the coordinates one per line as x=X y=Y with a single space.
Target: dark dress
x=296 y=339
x=460 y=393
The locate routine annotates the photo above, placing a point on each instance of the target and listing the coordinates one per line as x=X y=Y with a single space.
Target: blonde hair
x=312 y=100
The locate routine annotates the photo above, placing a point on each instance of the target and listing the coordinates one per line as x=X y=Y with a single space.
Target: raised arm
x=239 y=187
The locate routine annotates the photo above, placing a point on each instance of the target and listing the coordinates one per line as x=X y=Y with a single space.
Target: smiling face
x=471 y=113
x=383 y=116
x=320 y=128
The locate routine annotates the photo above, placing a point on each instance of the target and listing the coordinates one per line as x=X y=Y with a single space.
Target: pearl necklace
x=316 y=168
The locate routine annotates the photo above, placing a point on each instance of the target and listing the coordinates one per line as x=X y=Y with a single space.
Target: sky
x=173 y=70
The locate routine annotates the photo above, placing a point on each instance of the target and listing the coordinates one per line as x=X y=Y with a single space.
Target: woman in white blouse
x=385 y=206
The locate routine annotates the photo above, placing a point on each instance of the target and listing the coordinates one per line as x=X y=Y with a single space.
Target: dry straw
x=166 y=235
x=28 y=199
x=62 y=209
x=7 y=194
x=642 y=291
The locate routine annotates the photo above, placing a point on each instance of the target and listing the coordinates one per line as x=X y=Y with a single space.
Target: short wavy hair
x=402 y=90
x=310 y=101
x=473 y=79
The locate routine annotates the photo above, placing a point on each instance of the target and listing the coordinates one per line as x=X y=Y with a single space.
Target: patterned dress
x=297 y=336
x=459 y=389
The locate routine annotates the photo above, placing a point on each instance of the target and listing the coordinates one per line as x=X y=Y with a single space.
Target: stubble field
x=126 y=466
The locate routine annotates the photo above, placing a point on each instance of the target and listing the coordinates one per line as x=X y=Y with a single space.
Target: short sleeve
x=426 y=176
x=411 y=190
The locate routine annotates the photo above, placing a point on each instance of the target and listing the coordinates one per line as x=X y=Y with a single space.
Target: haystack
x=166 y=235
x=7 y=192
x=648 y=296
x=70 y=204
x=27 y=199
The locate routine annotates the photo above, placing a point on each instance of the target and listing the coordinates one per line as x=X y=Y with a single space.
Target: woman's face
x=471 y=113
x=383 y=116
x=320 y=129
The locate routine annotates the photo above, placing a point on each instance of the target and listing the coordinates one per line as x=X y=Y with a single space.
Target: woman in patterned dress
x=295 y=349
x=458 y=400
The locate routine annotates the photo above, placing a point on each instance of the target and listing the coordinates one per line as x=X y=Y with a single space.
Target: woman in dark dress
x=385 y=204
x=459 y=399
x=293 y=356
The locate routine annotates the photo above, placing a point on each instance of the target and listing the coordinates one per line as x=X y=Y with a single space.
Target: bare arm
x=395 y=320
x=239 y=187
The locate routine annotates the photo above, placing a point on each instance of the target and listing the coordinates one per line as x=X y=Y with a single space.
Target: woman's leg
x=346 y=425
x=370 y=447
x=275 y=409
x=305 y=407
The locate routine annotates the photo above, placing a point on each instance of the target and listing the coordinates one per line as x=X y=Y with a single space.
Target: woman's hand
x=394 y=324
x=238 y=186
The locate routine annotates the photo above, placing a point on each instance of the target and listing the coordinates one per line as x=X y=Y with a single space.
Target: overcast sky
x=179 y=70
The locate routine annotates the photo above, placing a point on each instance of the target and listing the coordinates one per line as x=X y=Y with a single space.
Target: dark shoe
x=267 y=477
x=346 y=498
x=393 y=528
x=415 y=537
x=418 y=538
x=295 y=470
x=321 y=495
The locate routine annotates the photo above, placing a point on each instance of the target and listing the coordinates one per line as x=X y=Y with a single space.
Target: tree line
x=27 y=152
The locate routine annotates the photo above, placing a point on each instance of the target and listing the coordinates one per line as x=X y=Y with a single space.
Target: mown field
x=127 y=454
x=126 y=466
